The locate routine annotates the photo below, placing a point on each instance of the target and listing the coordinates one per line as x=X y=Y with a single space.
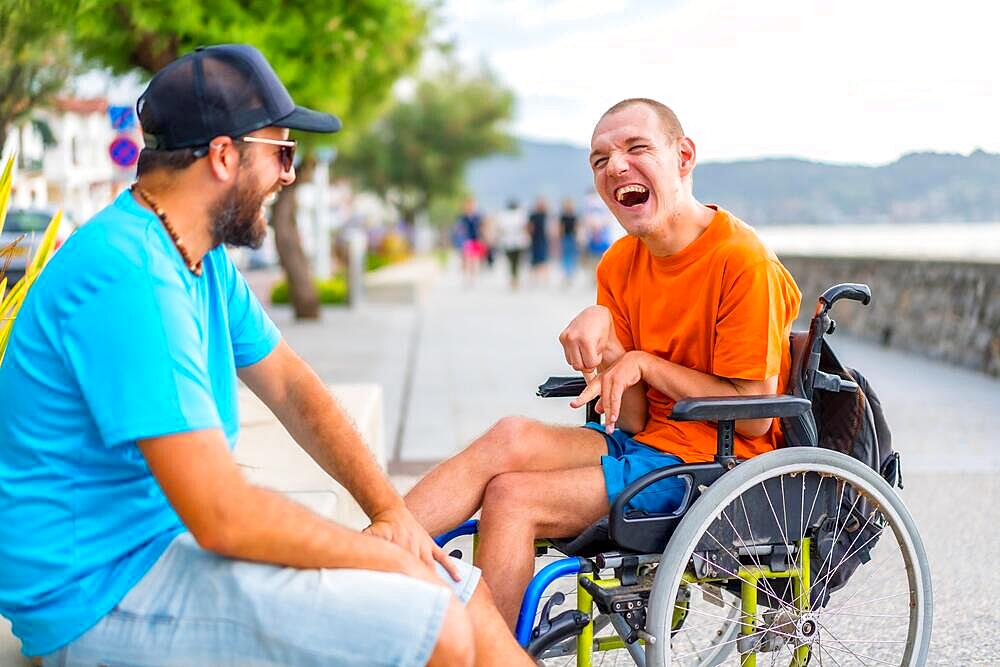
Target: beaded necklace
x=193 y=267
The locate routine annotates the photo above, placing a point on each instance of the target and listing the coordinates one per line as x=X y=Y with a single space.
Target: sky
x=848 y=81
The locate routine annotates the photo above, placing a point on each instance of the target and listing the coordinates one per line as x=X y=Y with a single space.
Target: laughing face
x=638 y=168
x=239 y=215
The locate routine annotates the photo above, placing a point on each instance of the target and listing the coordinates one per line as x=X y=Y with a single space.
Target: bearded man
x=129 y=535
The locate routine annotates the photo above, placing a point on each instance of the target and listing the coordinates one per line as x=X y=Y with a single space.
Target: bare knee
x=456 y=643
x=510 y=443
x=505 y=499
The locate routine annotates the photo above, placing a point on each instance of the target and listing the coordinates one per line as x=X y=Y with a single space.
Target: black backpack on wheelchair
x=846 y=417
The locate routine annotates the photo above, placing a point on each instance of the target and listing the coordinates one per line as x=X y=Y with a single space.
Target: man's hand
x=611 y=384
x=413 y=567
x=589 y=341
x=398 y=526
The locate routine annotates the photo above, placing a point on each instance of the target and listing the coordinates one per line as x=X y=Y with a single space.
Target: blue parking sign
x=124 y=151
x=122 y=118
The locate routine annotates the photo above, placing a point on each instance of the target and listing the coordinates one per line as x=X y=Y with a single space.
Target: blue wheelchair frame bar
x=533 y=594
x=470 y=527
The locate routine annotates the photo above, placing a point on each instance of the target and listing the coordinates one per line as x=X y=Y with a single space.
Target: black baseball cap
x=224 y=90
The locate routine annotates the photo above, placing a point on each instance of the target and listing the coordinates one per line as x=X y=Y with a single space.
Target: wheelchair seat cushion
x=627 y=461
x=590 y=542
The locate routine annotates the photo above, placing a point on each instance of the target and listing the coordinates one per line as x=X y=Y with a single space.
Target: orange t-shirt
x=724 y=305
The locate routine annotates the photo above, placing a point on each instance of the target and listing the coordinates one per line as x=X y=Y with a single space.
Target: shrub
x=330 y=291
x=376 y=260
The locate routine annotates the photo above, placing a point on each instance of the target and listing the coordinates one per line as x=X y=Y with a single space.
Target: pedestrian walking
x=538 y=228
x=568 y=230
x=470 y=227
x=598 y=223
x=513 y=238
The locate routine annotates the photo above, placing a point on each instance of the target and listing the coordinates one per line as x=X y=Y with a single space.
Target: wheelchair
x=802 y=555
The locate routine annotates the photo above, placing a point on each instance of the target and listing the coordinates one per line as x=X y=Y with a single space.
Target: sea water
x=959 y=241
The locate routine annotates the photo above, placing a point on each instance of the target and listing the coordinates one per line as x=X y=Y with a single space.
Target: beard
x=236 y=216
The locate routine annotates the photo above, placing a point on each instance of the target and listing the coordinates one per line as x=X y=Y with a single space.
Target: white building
x=71 y=167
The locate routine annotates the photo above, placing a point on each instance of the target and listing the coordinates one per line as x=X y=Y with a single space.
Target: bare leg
x=453 y=491
x=495 y=645
x=519 y=507
x=455 y=646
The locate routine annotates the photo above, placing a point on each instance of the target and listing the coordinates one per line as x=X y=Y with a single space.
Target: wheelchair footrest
x=621 y=599
x=565 y=625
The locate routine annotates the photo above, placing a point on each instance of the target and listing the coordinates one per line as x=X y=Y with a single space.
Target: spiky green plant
x=10 y=302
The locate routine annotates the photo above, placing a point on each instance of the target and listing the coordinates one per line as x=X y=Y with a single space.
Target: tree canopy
x=339 y=56
x=417 y=153
x=35 y=59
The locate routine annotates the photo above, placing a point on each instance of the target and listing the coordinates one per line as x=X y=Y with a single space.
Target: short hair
x=150 y=160
x=668 y=119
x=175 y=160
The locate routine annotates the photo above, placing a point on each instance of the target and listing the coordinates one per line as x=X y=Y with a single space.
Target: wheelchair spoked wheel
x=798 y=556
x=719 y=633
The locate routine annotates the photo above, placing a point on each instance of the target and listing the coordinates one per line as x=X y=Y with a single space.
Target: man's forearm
x=228 y=515
x=634 y=411
x=316 y=421
x=679 y=382
x=264 y=526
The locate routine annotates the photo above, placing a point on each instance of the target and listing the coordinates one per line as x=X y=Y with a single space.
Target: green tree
x=35 y=60
x=340 y=56
x=415 y=156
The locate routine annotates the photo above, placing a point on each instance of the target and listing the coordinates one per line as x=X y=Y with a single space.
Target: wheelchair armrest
x=723 y=408
x=649 y=533
x=556 y=387
x=572 y=386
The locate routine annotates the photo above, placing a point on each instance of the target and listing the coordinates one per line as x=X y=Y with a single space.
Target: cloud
x=534 y=14
x=852 y=81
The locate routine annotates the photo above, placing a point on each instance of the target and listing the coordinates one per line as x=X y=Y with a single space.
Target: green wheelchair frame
x=581 y=620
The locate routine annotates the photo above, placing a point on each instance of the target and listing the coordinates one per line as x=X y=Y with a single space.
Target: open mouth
x=267 y=201
x=632 y=194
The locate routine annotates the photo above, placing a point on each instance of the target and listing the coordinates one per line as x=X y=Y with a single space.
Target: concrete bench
x=407 y=282
x=269 y=457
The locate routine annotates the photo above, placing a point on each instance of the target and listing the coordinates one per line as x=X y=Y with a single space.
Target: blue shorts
x=196 y=608
x=627 y=461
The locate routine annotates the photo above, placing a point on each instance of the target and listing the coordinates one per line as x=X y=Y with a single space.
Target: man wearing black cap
x=129 y=534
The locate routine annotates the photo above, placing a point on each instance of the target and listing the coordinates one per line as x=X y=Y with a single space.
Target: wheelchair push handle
x=853 y=291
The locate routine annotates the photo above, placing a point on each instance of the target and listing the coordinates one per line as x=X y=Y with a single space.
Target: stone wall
x=946 y=310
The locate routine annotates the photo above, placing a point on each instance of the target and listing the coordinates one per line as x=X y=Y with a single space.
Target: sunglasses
x=286 y=149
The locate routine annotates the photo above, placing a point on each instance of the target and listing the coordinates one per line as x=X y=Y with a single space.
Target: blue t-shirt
x=117 y=341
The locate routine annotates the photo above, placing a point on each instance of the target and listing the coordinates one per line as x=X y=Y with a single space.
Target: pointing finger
x=592 y=391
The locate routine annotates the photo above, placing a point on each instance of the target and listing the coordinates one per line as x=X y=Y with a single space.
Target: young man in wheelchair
x=689 y=304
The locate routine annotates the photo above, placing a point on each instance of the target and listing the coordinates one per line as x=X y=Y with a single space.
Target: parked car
x=28 y=225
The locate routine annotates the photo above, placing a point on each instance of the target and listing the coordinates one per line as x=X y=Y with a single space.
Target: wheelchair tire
x=866 y=634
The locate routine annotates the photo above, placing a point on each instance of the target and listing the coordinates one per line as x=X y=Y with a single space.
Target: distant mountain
x=552 y=170
x=919 y=187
